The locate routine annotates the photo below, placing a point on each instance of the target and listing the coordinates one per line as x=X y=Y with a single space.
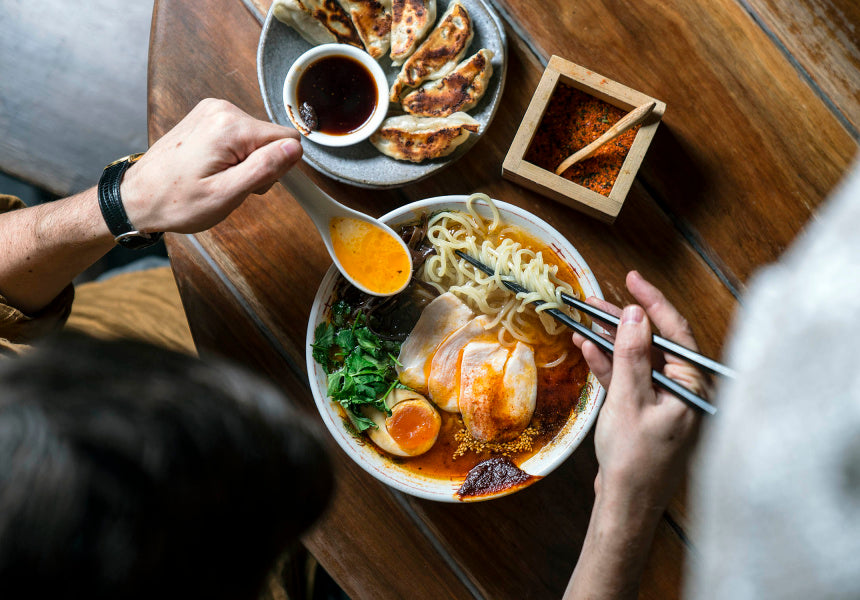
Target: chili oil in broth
x=371 y=255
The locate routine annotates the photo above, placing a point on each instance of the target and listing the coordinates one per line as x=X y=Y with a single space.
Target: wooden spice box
x=546 y=182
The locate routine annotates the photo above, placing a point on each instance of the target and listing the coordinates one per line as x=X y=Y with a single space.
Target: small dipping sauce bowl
x=336 y=95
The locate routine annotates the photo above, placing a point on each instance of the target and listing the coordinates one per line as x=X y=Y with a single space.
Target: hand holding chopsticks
x=608 y=347
x=691 y=356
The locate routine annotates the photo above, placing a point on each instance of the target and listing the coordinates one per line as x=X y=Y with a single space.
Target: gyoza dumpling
x=407 y=137
x=410 y=22
x=459 y=90
x=318 y=21
x=372 y=21
x=439 y=53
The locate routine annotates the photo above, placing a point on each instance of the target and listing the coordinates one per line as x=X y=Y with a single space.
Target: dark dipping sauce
x=340 y=91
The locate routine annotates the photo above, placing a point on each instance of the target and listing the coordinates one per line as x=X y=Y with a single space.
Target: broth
x=370 y=255
x=557 y=397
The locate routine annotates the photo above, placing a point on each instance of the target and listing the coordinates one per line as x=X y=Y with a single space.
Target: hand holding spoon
x=367 y=252
x=628 y=121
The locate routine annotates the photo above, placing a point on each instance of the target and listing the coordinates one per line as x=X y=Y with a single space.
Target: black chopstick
x=668 y=384
x=691 y=356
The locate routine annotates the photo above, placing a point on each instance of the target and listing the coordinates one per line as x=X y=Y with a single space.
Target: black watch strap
x=113 y=211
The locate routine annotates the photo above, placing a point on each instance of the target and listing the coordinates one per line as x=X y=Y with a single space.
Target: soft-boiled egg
x=438 y=320
x=412 y=427
x=498 y=390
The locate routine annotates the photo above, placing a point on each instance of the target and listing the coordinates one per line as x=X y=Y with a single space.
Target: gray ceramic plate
x=362 y=164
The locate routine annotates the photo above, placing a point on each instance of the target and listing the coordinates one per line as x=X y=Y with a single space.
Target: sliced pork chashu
x=498 y=390
x=439 y=53
x=439 y=319
x=318 y=21
x=407 y=137
x=372 y=22
x=460 y=90
x=410 y=22
x=443 y=383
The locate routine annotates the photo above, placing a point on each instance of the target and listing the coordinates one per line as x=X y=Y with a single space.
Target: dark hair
x=129 y=471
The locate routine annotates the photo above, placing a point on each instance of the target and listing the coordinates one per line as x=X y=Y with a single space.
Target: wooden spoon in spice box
x=627 y=122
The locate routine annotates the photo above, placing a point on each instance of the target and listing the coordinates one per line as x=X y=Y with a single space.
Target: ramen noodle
x=505 y=250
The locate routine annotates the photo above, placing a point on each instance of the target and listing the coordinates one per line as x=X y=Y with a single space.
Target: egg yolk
x=414 y=426
x=370 y=255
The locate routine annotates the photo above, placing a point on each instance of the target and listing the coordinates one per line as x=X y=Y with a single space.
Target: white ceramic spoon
x=322 y=208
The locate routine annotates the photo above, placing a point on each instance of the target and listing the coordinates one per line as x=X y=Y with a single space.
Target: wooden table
x=762 y=121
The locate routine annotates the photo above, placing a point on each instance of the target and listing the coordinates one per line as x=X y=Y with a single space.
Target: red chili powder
x=572 y=120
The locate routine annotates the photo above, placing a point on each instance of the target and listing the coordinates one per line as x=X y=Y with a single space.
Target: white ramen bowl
x=386 y=470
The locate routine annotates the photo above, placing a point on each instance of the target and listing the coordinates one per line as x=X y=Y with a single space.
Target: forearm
x=615 y=550
x=642 y=440
x=188 y=181
x=43 y=248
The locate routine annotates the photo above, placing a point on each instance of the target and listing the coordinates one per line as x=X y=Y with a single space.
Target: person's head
x=130 y=471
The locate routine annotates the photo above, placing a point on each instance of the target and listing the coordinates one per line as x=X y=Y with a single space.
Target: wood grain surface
x=823 y=38
x=726 y=185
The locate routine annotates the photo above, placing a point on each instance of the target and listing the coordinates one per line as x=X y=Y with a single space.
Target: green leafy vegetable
x=340 y=313
x=360 y=366
x=323 y=341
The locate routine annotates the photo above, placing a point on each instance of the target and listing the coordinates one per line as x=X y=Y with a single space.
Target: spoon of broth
x=366 y=251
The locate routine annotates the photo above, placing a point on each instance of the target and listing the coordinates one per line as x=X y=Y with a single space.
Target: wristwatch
x=113 y=211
